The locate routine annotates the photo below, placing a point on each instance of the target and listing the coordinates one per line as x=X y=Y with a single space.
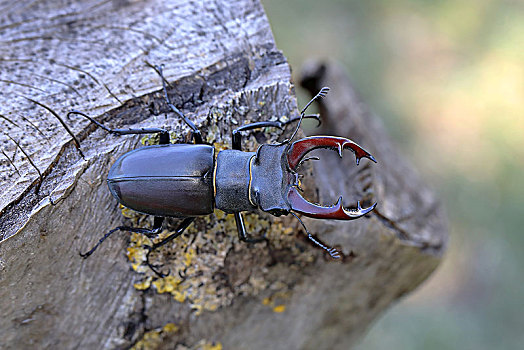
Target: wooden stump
x=224 y=70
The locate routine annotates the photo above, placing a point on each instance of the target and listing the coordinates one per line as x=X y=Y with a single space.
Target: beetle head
x=279 y=163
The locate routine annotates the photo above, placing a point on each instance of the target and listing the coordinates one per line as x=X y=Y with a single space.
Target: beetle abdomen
x=165 y=180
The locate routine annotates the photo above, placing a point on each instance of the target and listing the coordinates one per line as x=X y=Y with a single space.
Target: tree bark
x=224 y=70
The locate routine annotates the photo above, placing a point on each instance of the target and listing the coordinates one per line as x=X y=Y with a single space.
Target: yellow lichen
x=170 y=327
x=279 y=308
x=154 y=339
x=219 y=214
x=212 y=346
x=288 y=230
x=220 y=146
x=179 y=296
x=154 y=139
x=210 y=306
x=150 y=340
x=206 y=345
x=189 y=256
x=127 y=213
x=136 y=252
x=144 y=284
x=272 y=300
x=167 y=284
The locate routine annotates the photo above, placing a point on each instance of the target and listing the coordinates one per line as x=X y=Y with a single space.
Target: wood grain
x=224 y=70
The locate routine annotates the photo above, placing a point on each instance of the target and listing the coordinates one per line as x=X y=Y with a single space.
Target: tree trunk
x=224 y=70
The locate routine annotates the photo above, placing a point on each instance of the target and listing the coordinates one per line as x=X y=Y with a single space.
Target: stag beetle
x=190 y=180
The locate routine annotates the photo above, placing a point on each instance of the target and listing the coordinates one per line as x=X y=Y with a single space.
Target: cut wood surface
x=224 y=70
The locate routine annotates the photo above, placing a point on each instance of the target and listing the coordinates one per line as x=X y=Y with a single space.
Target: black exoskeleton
x=190 y=180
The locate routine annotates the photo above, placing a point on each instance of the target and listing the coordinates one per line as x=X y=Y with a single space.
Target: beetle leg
x=242 y=234
x=179 y=230
x=157 y=227
x=164 y=138
x=335 y=254
x=296 y=153
x=237 y=137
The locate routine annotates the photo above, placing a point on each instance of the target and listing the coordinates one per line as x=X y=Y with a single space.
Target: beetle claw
x=296 y=154
x=300 y=148
x=361 y=211
x=335 y=212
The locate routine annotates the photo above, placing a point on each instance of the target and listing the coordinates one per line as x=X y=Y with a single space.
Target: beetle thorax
x=247 y=181
x=232 y=180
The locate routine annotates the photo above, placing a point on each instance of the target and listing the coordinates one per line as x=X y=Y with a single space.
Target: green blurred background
x=447 y=78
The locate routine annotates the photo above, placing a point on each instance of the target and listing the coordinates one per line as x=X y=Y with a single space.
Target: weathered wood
x=224 y=70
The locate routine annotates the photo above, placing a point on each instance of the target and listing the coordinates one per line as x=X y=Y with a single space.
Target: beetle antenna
x=315 y=116
x=322 y=93
x=335 y=254
x=139 y=131
x=100 y=125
